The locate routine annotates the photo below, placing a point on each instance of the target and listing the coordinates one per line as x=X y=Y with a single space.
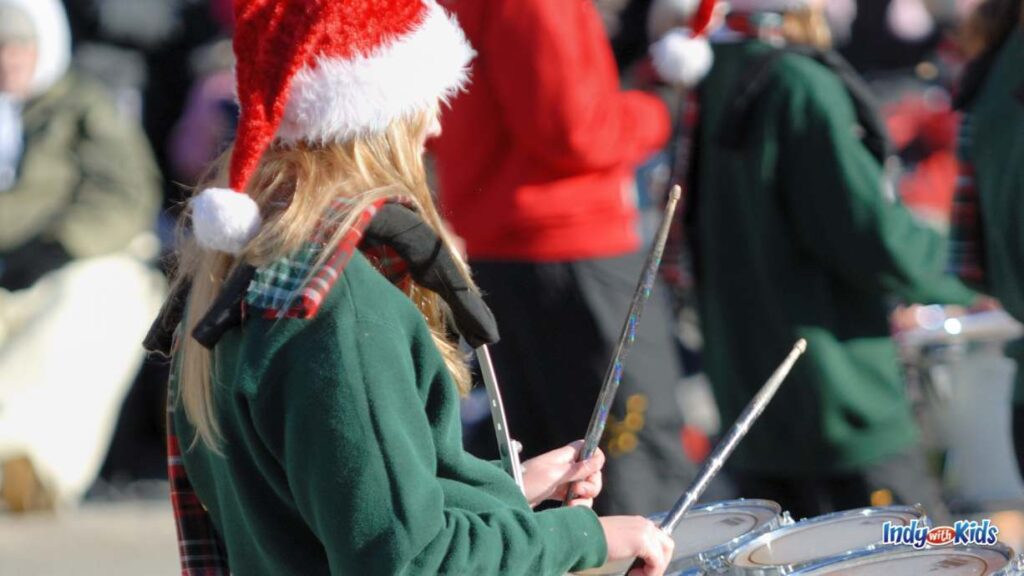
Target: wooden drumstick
x=727 y=445
x=636 y=308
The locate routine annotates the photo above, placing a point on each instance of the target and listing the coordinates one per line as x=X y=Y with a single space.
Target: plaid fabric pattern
x=967 y=258
x=389 y=264
x=290 y=288
x=199 y=549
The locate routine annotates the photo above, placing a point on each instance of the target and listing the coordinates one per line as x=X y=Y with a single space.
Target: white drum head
x=718 y=524
x=963 y=561
x=712 y=526
x=821 y=537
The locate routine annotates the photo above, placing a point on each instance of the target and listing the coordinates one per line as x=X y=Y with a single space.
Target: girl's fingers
x=657 y=552
x=587 y=489
x=584 y=502
x=665 y=546
x=584 y=470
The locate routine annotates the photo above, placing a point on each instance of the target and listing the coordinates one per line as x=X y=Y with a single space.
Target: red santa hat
x=322 y=71
x=683 y=55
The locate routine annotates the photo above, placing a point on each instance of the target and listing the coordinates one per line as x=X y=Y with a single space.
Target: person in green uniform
x=325 y=439
x=795 y=234
x=988 y=248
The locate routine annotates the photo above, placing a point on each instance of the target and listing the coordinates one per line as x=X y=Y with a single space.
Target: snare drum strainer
x=815 y=539
x=952 y=561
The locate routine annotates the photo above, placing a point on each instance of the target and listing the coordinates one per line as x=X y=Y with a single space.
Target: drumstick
x=725 y=447
x=636 y=308
x=509 y=454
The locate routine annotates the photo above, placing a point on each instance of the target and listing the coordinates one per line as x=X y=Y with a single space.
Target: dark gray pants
x=559 y=324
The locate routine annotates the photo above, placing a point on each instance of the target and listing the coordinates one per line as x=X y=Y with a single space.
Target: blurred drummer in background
x=988 y=249
x=795 y=233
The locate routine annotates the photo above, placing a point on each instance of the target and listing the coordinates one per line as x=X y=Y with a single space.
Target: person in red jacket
x=536 y=166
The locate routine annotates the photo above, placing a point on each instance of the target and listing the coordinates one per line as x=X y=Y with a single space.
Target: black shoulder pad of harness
x=160 y=337
x=433 y=267
x=226 y=311
x=224 y=314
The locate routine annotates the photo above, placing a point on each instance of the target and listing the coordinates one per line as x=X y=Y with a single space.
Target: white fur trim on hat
x=224 y=220
x=769 y=5
x=682 y=59
x=53 y=40
x=338 y=99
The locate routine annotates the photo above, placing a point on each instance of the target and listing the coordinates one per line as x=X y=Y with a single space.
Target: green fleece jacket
x=343 y=454
x=997 y=151
x=795 y=238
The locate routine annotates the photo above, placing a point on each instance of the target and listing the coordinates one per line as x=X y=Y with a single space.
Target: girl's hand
x=631 y=537
x=549 y=475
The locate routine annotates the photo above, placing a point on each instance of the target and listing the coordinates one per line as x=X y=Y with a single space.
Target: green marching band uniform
x=988 y=233
x=794 y=237
x=345 y=429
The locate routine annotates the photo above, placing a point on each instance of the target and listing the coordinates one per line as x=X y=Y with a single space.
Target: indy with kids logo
x=962 y=533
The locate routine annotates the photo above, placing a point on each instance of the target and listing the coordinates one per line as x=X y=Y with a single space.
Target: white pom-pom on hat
x=679 y=58
x=224 y=220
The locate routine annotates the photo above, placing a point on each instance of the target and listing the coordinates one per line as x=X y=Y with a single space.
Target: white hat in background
x=53 y=39
x=682 y=54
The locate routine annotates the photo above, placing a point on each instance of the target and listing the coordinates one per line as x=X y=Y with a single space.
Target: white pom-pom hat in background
x=322 y=71
x=682 y=54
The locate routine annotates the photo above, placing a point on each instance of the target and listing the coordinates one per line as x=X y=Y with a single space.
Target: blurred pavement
x=96 y=539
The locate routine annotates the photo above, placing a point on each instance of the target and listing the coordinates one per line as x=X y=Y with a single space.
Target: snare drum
x=994 y=560
x=817 y=539
x=708 y=534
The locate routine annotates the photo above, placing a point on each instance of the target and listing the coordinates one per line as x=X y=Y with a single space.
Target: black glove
x=22 y=267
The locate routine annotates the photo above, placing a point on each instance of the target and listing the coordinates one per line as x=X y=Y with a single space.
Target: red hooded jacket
x=536 y=160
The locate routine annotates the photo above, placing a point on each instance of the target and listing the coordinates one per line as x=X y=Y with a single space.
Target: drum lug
x=924 y=514
x=715 y=565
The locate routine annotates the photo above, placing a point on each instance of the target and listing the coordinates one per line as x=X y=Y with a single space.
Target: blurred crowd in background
x=111 y=120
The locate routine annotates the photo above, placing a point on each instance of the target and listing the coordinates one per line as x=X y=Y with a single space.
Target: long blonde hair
x=807 y=26
x=295 y=188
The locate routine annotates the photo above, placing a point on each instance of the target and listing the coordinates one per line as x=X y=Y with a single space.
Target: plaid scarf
x=287 y=288
x=290 y=288
x=967 y=256
x=200 y=550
